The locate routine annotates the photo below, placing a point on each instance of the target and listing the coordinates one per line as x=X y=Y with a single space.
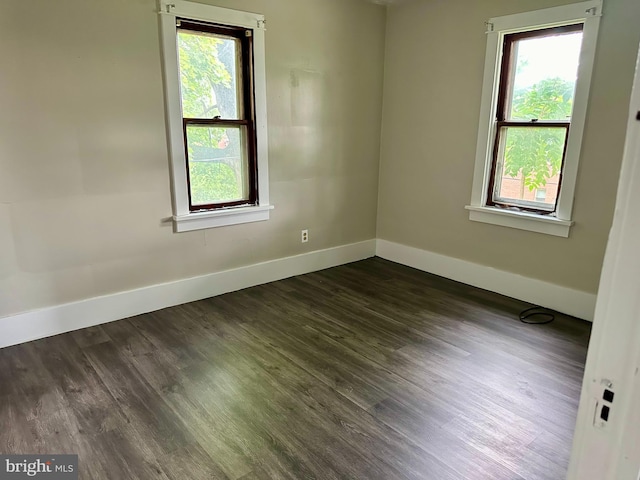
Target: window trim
x=589 y=14
x=183 y=218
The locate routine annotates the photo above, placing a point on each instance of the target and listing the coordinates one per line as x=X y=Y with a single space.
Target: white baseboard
x=24 y=327
x=562 y=299
x=46 y=322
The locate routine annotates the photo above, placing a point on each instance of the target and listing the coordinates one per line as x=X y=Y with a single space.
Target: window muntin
x=538 y=75
x=216 y=89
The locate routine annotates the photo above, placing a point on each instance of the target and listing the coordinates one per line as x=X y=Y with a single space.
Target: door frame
x=610 y=450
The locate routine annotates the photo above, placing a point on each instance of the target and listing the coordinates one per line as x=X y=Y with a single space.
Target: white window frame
x=183 y=219
x=558 y=224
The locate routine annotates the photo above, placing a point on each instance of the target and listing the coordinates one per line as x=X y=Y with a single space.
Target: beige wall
x=84 y=185
x=84 y=182
x=433 y=80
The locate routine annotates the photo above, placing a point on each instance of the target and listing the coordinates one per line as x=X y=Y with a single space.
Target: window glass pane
x=530 y=162
x=544 y=77
x=217 y=164
x=541 y=195
x=209 y=70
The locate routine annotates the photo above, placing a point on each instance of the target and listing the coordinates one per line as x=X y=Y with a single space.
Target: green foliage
x=205 y=139
x=200 y=71
x=537 y=152
x=212 y=182
x=550 y=99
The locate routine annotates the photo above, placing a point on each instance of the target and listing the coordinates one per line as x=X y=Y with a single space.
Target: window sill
x=220 y=218
x=520 y=220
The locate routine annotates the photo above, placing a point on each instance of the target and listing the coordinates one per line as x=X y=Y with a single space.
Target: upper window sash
x=244 y=88
x=508 y=67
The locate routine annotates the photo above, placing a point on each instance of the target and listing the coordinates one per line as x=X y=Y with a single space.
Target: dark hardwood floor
x=366 y=371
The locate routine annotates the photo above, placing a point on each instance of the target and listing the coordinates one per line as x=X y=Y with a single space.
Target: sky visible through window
x=541 y=58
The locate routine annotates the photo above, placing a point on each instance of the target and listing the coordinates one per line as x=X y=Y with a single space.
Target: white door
x=610 y=449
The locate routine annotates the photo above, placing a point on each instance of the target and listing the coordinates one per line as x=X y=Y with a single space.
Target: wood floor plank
x=96 y=420
x=506 y=446
x=90 y=336
x=39 y=404
x=345 y=418
x=478 y=465
x=208 y=395
x=240 y=383
x=143 y=408
x=552 y=447
x=365 y=371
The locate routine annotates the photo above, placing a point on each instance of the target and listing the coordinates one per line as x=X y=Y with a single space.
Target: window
x=217 y=109
x=536 y=85
x=215 y=96
x=535 y=99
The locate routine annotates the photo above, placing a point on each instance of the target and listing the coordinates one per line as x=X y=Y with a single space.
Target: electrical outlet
x=304 y=236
